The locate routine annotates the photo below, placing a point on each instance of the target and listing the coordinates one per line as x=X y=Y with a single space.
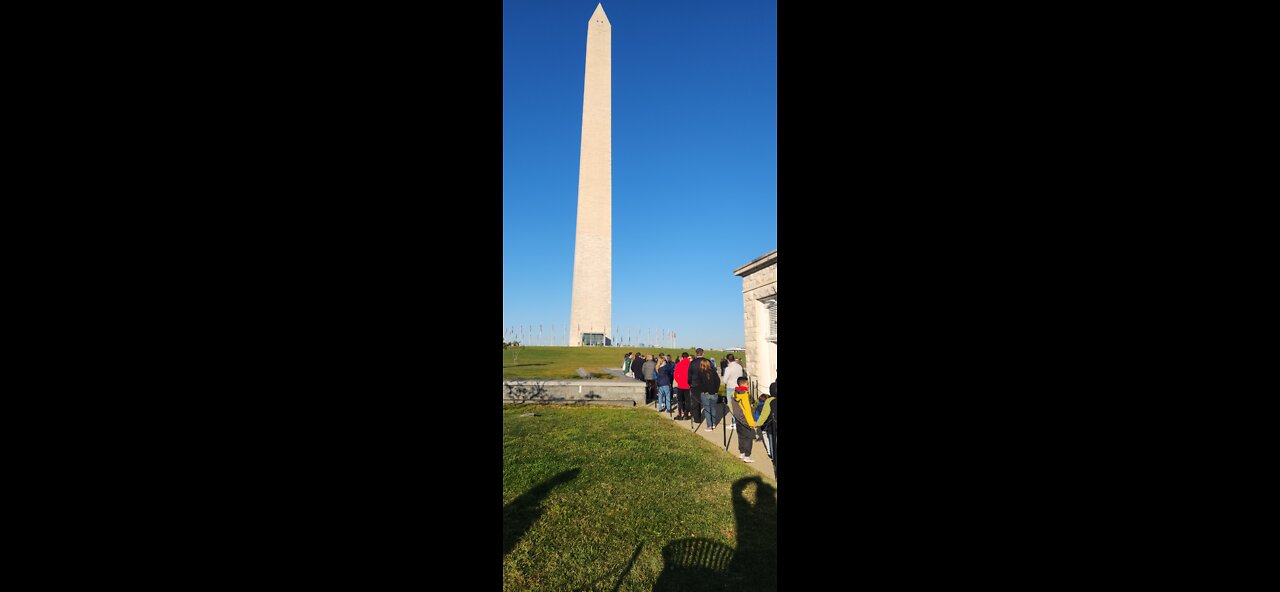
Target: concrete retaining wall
x=626 y=392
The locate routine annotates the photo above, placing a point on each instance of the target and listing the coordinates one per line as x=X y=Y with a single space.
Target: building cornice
x=758 y=263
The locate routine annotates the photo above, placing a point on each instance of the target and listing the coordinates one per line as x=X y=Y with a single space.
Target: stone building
x=760 y=319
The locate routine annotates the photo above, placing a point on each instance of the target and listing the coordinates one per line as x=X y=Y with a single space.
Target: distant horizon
x=690 y=349
x=694 y=164
x=561 y=338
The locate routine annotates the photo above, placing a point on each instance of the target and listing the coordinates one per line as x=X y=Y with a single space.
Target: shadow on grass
x=536 y=393
x=626 y=569
x=704 y=564
x=519 y=515
x=521 y=393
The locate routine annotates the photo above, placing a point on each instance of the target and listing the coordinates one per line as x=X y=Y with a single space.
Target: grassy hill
x=560 y=363
x=624 y=499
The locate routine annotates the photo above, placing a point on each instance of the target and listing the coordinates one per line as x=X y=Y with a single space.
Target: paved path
x=763 y=464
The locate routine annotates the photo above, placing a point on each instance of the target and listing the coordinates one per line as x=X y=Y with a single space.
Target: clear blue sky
x=694 y=160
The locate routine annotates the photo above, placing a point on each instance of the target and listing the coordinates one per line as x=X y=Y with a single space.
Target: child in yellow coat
x=745 y=418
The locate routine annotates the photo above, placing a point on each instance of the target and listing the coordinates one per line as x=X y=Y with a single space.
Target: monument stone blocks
x=592 y=299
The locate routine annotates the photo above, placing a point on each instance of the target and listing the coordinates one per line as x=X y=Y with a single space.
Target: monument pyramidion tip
x=599 y=15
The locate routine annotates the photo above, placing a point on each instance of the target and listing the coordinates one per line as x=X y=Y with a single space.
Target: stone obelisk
x=592 y=305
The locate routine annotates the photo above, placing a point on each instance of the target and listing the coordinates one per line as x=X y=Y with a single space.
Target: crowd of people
x=690 y=388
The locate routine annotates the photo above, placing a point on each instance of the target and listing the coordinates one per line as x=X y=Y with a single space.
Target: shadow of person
x=755 y=561
x=519 y=515
x=704 y=564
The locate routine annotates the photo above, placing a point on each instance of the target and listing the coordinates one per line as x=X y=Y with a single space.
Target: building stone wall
x=759 y=284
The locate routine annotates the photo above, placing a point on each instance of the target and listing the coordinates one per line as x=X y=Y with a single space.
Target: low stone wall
x=625 y=392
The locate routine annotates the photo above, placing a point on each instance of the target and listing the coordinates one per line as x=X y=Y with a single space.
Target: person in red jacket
x=682 y=386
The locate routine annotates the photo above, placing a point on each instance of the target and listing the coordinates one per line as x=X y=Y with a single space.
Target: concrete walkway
x=763 y=464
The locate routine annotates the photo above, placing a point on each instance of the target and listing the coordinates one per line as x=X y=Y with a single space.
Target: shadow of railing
x=694 y=564
x=697 y=564
x=622 y=575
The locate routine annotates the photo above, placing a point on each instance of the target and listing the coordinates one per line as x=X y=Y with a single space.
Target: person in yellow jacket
x=740 y=404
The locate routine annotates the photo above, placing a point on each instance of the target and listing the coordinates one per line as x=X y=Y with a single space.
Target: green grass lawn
x=601 y=498
x=559 y=363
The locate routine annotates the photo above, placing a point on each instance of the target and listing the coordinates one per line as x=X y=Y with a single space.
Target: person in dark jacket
x=650 y=388
x=704 y=384
x=664 y=375
x=637 y=371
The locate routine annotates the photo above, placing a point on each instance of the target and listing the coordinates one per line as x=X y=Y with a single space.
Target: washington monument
x=592 y=303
